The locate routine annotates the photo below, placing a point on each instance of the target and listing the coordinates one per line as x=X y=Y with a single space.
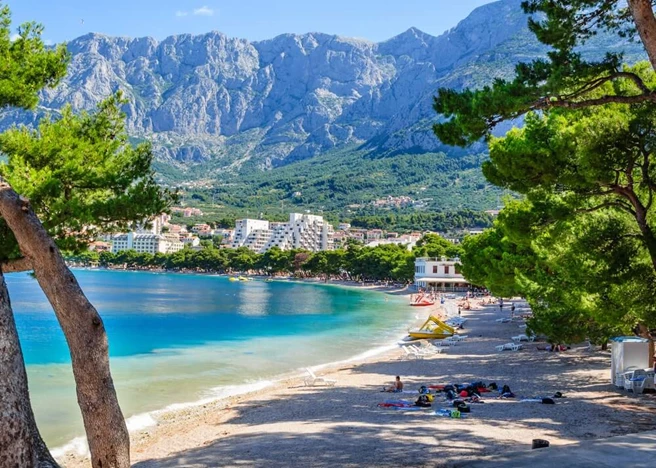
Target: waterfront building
x=146 y=242
x=440 y=274
x=303 y=231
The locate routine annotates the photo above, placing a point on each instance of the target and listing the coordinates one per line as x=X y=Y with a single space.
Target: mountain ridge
x=229 y=101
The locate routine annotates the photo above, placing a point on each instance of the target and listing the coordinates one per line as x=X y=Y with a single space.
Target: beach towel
x=398 y=404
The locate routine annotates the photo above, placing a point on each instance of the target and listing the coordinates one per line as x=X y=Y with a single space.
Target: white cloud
x=203 y=11
x=48 y=42
x=14 y=37
x=181 y=13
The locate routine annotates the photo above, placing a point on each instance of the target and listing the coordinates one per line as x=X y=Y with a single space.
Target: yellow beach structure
x=432 y=329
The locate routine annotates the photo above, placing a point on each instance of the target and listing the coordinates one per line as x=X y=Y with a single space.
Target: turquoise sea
x=178 y=339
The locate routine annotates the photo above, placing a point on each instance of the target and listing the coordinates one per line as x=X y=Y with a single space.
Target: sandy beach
x=290 y=424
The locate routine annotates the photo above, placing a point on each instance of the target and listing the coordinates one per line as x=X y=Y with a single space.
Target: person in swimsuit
x=397 y=387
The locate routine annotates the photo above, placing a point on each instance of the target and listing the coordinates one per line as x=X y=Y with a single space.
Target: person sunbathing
x=397 y=387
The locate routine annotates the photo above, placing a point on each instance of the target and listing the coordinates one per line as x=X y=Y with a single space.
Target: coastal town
x=303 y=231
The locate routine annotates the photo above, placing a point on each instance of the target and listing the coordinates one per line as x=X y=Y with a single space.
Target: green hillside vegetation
x=344 y=183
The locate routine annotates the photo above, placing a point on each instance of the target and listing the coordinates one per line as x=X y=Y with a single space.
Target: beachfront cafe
x=439 y=274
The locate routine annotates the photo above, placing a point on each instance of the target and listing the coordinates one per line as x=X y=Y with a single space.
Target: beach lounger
x=458 y=338
x=509 y=347
x=312 y=379
x=429 y=348
x=421 y=351
x=522 y=337
x=411 y=352
x=445 y=342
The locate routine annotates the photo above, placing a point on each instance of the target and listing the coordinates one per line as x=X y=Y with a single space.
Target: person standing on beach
x=459 y=311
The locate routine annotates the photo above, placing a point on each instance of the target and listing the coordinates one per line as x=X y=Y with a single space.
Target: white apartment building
x=303 y=231
x=439 y=274
x=144 y=242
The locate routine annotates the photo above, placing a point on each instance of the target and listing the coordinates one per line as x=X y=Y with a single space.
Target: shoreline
x=76 y=449
x=341 y=425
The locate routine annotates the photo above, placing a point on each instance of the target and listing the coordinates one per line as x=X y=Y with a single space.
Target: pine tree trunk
x=643 y=17
x=83 y=328
x=20 y=442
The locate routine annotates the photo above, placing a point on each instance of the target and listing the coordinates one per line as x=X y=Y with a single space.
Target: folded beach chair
x=312 y=379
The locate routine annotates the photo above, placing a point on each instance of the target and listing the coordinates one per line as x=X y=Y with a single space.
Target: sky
x=375 y=20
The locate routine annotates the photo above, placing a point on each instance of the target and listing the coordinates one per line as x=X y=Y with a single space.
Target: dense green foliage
x=344 y=183
x=381 y=263
x=27 y=66
x=439 y=222
x=81 y=174
x=580 y=246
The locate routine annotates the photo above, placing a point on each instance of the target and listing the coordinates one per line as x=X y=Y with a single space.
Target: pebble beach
x=290 y=424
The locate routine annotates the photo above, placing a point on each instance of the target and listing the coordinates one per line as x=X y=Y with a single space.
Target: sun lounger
x=445 y=342
x=509 y=347
x=429 y=348
x=312 y=379
x=411 y=353
x=522 y=337
x=457 y=338
x=420 y=351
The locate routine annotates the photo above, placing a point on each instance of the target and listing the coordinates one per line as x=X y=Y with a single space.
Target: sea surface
x=178 y=339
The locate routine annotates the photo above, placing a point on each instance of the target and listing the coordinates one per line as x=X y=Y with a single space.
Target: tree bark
x=16 y=265
x=21 y=444
x=107 y=434
x=643 y=17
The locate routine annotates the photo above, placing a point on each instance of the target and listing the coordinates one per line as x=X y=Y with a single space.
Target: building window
x=435 y=269
x=446 y=269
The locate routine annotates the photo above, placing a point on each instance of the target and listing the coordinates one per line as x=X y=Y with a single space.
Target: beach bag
x=455 y=414
x=558 y=395
x=493 y=386
x=548 y=401
x=450 y=394
x=464 y=408
x=423 y=402
x=449 y=387
x=423 y=389
x=457 y=403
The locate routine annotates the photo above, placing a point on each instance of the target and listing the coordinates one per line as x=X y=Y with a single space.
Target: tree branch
x=16 y=265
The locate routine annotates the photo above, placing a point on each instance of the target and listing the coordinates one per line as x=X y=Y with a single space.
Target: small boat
x=432 y=329
x=421 y=301
x=243 y=278
x=233 y=279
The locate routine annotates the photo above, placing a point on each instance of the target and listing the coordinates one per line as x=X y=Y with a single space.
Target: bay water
x=179 y=339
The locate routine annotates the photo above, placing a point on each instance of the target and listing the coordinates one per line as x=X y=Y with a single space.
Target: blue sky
x=375 y=20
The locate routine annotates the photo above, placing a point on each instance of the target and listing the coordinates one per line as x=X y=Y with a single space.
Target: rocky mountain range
x=232 y=104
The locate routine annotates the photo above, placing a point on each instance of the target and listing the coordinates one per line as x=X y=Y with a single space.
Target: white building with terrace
x=439 y=274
